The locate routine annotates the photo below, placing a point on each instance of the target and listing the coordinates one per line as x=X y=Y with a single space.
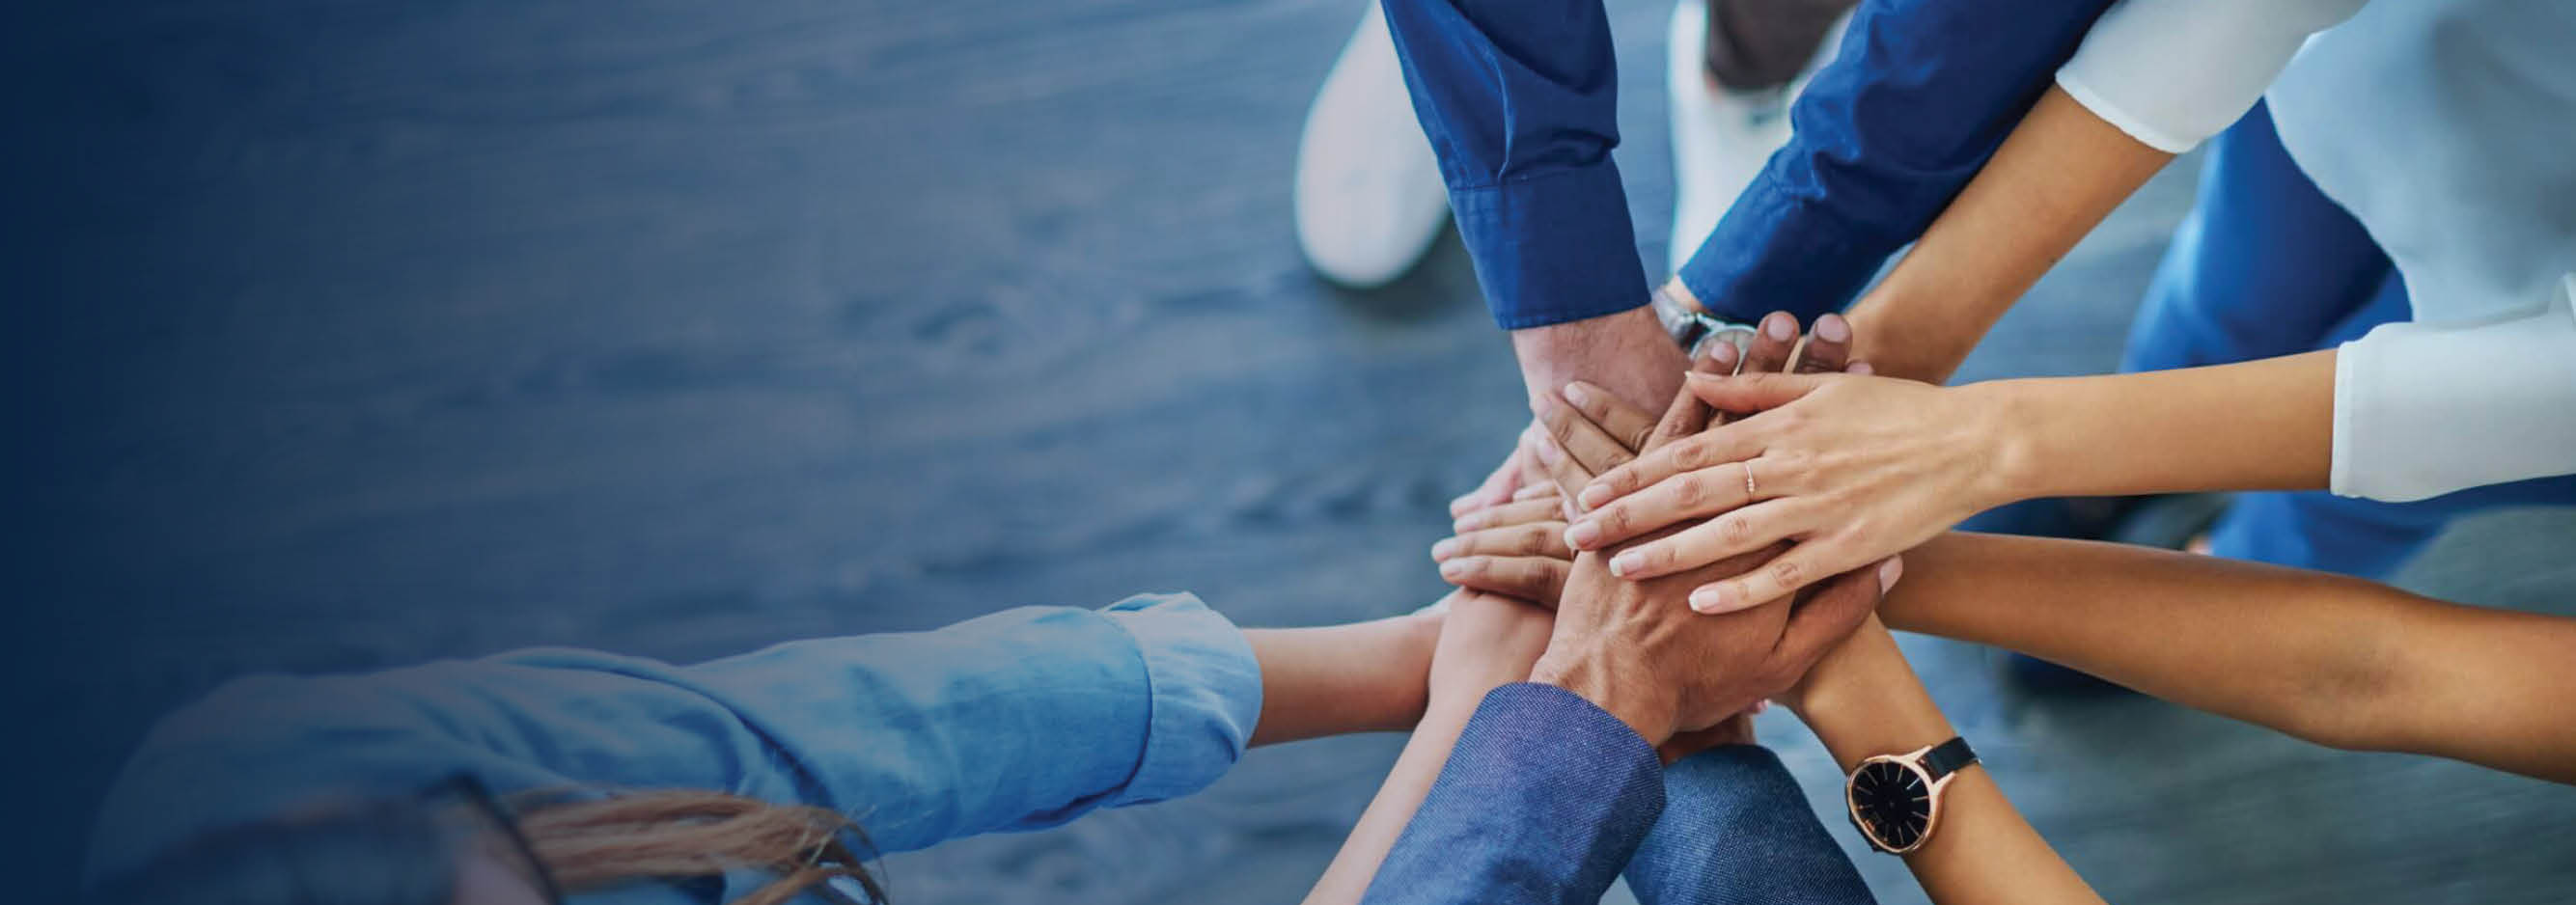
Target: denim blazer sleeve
x=1736 y=829
x=1543 y=799
x=1021 y=719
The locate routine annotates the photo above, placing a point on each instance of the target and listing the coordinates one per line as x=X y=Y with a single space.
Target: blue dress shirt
x=1018 y=720
x=1520 y=97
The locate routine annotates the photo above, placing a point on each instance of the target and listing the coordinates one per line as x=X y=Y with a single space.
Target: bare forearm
x=2258 y=425
x=1335 y=679
x=2060 y=172
x=1983 y=851
x=1416 y=769
x=2339 y=661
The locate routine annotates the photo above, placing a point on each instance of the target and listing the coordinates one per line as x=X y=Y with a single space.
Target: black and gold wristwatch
x=1895 y=799
x=1692 y=327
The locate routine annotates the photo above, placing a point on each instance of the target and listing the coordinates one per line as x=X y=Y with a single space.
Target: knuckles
x=1735 y=529
x=1786 y=571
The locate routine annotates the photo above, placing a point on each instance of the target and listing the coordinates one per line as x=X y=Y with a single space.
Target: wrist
x=1627 y=353
x=1647 y=708
x=2008 y=428
x=1864 y=700
x=1931 y=347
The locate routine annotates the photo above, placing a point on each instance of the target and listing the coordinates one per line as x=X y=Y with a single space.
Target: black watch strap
x=1948 y=757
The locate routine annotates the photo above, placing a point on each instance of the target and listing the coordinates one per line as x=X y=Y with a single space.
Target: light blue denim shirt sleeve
x=1017 y=720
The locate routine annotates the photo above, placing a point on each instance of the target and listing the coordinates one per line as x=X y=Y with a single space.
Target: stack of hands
x=1627 y=568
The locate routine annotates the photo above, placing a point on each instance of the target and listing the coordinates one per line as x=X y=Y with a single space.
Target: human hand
x=1516 y=549
x=1587 y=430
x=1853 y=468
x=1486 y=641
x=1500 y=485
x=1630 y=648
x=1509 y=549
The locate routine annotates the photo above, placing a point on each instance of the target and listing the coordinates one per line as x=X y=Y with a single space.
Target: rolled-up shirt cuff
x=2423 y=410
x=1205 y=694
x=1777 y=252
x=1553 y=248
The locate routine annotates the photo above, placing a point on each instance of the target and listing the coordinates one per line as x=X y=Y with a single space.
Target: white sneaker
x=1369 y=199
x=1721 y=137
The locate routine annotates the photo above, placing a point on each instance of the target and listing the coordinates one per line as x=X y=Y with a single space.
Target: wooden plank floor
x=369 y=332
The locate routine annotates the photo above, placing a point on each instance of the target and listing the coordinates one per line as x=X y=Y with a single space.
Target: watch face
x=1892 y=803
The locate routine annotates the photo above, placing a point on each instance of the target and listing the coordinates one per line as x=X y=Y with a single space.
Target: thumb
x=1747 y=393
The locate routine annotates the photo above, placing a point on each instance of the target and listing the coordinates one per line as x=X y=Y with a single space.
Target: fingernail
x=1583 y=535
x=1547 y=451
x=1833 y=329
x=1593 y=496
x=1461 y=504
x=1576 y=394
x=1625 y=563
x=1861 y=368
x=1761 y=705
x=1778 y=328
x=1470 y=522
x=1444 y=549
x=1453 y=568
x=1889 y=572
x=1707 y=600
x=1723 y=354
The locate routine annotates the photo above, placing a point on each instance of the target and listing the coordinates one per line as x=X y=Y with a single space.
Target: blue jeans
x=2267 y=265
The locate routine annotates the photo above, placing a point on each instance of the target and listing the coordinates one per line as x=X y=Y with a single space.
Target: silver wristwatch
x=1693 y=328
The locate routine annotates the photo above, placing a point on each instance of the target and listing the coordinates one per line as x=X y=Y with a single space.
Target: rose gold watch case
x=1911 y=761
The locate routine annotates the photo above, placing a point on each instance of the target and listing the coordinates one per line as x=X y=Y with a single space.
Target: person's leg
x=1732 y=68
x=1368 y=199
x=1752 y=45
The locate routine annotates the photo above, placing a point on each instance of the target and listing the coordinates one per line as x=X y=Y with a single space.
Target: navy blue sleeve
x=1736 y=829
x=1919 y=95
x=1520 y=99
x=1544 y=799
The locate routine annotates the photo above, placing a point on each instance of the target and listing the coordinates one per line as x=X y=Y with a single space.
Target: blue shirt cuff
x=1777 y=252
x=1553 y=248
x=1204 y=689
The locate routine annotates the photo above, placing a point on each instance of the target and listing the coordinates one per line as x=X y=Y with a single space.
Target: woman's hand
x=1853 y=468
x=1516 y=549
x=1486 y=641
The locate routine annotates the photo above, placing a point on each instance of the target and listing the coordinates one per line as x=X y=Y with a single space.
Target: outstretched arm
x=2337 y=661
x=1864 y=700
x=1337 y=679
x=1860 y=468
x=2062 y=170
x=1485 y=642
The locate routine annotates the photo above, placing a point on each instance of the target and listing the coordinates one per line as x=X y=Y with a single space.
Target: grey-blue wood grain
x=358 y=333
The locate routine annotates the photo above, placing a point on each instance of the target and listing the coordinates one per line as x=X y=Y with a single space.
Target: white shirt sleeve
x=2172 y=73
x=2424 y=410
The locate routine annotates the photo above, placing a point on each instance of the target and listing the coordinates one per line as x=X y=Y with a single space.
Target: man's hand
x=1486 y=642
x=1635 y=649
x=1627 y=354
